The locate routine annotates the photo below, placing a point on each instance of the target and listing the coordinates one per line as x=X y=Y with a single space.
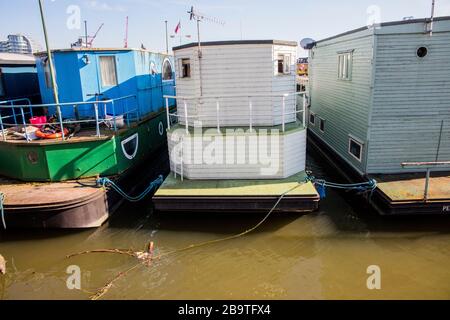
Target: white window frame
x=358 y=142
x=166 y=60
x=116 y=76
x=286 y=58
x=153 y=69
x=309 y=118
x=345 y=65
x=181 y=66
x=321 y=120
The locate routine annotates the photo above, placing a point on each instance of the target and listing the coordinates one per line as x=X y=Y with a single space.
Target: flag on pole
x=178 y=28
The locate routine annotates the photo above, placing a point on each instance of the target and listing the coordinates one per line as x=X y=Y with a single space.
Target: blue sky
x=244 y=19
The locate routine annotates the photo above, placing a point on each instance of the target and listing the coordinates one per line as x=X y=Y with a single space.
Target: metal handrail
x=247 y=96
x=427 y=166
x=98 y=120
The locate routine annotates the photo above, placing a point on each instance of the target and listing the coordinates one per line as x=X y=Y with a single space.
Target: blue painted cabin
x=85 y=75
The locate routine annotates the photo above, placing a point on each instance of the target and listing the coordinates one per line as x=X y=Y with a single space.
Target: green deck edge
x=77 y=160
x=174 y=187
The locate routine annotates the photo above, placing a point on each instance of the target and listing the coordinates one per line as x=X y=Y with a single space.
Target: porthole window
x=422 y=52
x=167 y=70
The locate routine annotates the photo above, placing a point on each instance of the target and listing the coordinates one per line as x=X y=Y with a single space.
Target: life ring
x=55 y=135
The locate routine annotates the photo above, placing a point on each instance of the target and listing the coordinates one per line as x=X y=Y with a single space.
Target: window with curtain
x=167 y=70
x=345 y=61
x=108 y=71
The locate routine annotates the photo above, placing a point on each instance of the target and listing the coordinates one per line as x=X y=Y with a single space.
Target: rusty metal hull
x=74 y=204
x=79 y=214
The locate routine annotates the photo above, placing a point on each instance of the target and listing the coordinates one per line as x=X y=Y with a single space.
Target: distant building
x=17 y=43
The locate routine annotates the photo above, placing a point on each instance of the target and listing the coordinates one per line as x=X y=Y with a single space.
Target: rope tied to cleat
x=321 y=185
x=2 y=209
x=107 y=183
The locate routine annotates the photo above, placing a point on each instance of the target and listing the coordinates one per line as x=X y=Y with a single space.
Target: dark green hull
x=71 y=160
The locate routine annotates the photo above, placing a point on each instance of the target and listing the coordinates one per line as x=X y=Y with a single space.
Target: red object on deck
x=38 y=122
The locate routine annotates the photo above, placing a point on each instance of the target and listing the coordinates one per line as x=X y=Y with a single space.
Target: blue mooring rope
x=321 y=185
x=2 y=210
x=105 y=182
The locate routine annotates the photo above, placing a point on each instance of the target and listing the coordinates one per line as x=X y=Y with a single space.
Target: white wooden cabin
x=240 y=70
x=248 y=88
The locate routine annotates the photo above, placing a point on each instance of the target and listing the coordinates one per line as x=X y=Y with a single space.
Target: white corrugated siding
x=411 y=98
x=287 y=157
x=236 y=70
x=344 y=105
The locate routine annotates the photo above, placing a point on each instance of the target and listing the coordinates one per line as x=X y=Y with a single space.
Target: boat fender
x=321 y=189
x=55 y=135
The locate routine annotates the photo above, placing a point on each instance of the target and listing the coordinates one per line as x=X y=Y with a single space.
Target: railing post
x=126 y=113
x=218 y=114
x=182 y=160
x=168 y=114
x=14 y=113
x=250 y=106
x=97 y=124
x=114 y=115
x=283 y=117
x=186 y=116
x=427 y=185
x=58 y=108
x=304 y=109
x=24 y=124
x=138 y=111
x=31 y=108
x=2 y=127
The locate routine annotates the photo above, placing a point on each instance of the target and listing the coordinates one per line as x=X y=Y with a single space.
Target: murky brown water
x=323 y=255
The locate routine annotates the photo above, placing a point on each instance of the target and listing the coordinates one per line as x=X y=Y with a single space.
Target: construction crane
x=199 y=17
x=95 y=35
x=126 y=33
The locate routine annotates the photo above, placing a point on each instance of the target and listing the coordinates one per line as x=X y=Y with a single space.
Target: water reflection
x=323 y=255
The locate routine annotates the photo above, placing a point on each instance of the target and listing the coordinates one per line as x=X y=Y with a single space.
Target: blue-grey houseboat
x=109 y=120
x=380 y=106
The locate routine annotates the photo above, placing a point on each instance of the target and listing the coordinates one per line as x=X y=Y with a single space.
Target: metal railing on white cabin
x=250 y=113
x=98 y=120
x=427 y=166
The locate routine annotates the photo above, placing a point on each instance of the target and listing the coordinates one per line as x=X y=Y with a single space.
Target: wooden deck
x=35 y=195
x=84 y=135
x=411 y=187
x=240 y=195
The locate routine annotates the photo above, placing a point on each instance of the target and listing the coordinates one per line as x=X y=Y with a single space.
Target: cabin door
x=109 y=85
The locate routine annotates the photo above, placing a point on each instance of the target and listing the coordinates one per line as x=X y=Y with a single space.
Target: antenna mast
x=199 y=17
x=432 y=17
x=126 y=33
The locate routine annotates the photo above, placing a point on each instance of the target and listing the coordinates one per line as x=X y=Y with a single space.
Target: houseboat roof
x=387 y=24
x=238 y=42
x=16 y=59
x=98 y=50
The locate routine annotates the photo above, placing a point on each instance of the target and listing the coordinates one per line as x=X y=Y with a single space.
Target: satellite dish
x=307 y=43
